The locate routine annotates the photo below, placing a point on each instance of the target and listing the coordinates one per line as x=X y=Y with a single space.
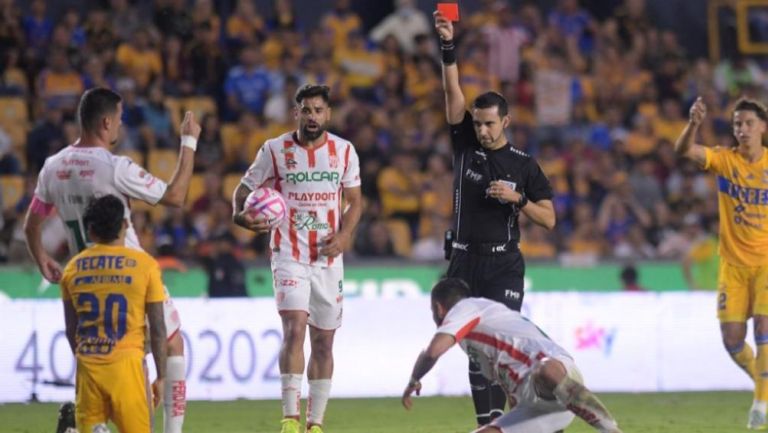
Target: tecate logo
x=312 y=176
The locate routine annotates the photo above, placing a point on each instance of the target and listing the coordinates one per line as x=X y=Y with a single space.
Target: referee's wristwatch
x=523 y=201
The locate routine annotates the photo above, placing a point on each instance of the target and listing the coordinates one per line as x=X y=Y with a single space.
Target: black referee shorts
x=498 y=277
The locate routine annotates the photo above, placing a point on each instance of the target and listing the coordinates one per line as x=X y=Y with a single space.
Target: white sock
x=291 y=388
x=175 y=395
x=760 y=406
x=319 y=391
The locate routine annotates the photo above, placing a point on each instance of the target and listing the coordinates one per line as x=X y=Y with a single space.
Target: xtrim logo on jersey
x=312 y=176
x=305 y=221
x=755 y=196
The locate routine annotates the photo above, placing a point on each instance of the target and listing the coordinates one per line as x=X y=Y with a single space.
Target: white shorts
x=533 y=414
x=316 y=290
x=172 y=318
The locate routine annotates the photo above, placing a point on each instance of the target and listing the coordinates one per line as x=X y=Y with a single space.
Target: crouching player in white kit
x=312 y=169
x=87 y=169
x=540 y=378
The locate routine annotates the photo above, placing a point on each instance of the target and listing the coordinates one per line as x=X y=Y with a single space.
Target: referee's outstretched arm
x=455 y=104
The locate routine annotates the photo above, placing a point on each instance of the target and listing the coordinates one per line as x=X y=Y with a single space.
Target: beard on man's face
x=312 y=133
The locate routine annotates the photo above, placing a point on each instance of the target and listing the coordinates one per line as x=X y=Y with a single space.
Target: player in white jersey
x=543 y=384
x=313 y=169
x=87 y=169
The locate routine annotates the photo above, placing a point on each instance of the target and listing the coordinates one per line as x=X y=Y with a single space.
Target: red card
x=449 y=10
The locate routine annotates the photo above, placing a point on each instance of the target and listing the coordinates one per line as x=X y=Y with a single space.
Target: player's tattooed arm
x=240 y=217
x=426 y=360
x=158 y=336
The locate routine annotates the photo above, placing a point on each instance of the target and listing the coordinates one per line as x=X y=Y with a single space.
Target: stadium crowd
x=598 y=102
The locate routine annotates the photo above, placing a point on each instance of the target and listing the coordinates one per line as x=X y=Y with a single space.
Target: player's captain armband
x=189 y=141
x=39 y=207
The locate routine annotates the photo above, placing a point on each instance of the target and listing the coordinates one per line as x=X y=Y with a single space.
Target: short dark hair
x=745 y=104
x=448 y=291
x=313 y=90
x=490 y=100
x=94 y=105
x=629 y=275
x=104 y=217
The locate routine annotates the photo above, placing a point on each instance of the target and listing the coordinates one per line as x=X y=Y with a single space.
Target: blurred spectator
x=204 y=15
x=573 y=22
x=212 y=194
x=283 y=17
x=732 y=76
x=38 y=28
x=226 y=273
x=405 y=23
x=247 y=85
x=9 y=163
x=279 y=107
x=210 y=155
x=139 y=59
x=172 y=18
x=399 y=188
x=45 y=138
x=95 y=75
x=634 y=246
x=176 y=235
x=702 y=261
x=505 y=41
x=159 y=129
x=361 y=65
x=373 y=240
x=126 y=19
x=629 y=279
x=340 y=22
x=535 y=244
x=245 y=26
x=59 y=86
x=98 y=31
x=207 y=65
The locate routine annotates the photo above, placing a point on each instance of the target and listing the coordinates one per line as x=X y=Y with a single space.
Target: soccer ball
x=266 y=203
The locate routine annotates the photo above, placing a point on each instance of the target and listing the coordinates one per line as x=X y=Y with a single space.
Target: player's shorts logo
x=721 y=299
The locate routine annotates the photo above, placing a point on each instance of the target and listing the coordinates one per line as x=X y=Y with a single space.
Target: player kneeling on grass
x=107 y=290
x=540 y=378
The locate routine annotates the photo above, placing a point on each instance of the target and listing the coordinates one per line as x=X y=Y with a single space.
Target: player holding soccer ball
x=742 y=174
x=543 y=384
x=312 y=169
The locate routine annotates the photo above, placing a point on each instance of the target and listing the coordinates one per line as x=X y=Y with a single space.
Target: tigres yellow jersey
x=743 y=201
x=109 y=287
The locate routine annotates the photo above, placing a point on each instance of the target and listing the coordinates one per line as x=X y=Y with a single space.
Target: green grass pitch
x=704 y=412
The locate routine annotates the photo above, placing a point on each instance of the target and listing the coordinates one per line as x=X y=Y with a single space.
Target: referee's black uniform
x=485 y=250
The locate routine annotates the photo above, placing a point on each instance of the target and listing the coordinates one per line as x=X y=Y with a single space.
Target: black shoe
x=66 y=417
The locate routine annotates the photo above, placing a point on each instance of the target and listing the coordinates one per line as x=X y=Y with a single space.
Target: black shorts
x=496 y=277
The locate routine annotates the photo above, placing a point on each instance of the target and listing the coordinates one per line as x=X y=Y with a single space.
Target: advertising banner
x=626 y=342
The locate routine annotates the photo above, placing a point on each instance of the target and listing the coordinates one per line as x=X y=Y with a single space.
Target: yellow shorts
x=742 y=292
x=117 y=391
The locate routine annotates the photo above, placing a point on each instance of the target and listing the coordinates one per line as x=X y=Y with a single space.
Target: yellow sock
x=745 y=358
x=761 y=373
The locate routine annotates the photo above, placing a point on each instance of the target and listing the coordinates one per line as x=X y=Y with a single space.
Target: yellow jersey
x=743 y=203
x=109 y=287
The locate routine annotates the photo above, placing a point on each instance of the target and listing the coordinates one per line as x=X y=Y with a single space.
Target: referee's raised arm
x=455 y=104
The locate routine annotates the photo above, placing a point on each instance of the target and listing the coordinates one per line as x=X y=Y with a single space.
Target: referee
x=493 y=183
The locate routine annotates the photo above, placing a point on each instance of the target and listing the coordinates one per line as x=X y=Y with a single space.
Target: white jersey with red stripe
x=505 y=344
x=311 y=182
x=75 y=175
